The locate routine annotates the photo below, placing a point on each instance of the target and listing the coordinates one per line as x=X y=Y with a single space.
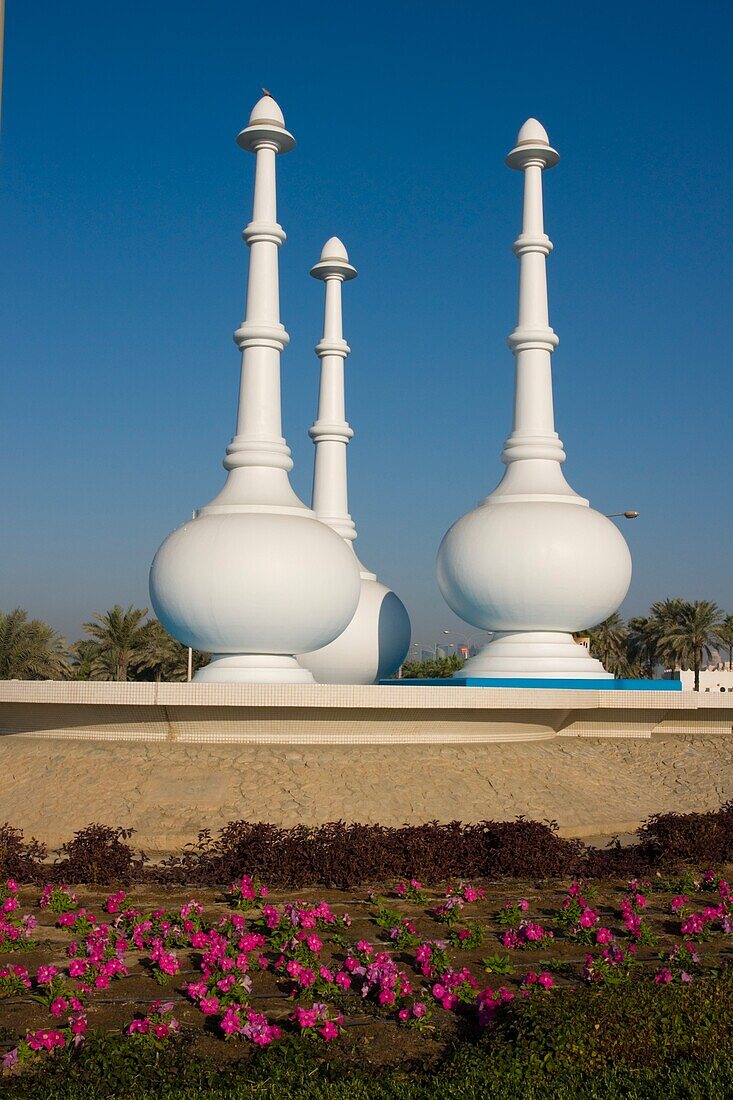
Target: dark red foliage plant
x=20 y=859
x=98 y=854
x=338 y=854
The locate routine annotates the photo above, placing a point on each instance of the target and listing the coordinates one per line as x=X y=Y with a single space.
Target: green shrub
x=634 y=1041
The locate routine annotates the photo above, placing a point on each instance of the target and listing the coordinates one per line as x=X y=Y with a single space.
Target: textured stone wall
x=168 y=791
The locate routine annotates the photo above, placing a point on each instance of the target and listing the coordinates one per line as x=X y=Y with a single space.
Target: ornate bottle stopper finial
x=256 y=578
x=376 y=640
x=533 y=563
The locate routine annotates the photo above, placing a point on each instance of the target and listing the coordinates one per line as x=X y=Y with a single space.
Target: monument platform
x=171 y=759
x=397 y=712
x=556 y=684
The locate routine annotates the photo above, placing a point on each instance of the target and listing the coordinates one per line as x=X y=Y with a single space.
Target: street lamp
x=626 y=515
x=468 y=641
x=189 y=666
x=421 y=647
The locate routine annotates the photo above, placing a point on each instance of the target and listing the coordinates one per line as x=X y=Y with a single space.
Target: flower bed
x=248 y=968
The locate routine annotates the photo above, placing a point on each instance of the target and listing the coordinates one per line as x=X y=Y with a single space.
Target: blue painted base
x=568 y=685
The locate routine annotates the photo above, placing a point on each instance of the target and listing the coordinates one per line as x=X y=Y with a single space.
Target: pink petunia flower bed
x=246 y=966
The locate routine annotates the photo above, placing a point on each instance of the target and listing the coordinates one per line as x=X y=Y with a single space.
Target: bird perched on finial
x=265 y=92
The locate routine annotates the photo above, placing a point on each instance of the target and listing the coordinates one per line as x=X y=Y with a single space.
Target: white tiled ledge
x=106 y=693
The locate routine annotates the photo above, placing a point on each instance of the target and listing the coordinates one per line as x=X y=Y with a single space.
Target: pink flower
x=693 y=926
x=313 y=943
x=271 y=915
x=58 y=1006
x=79 y=1025
x=604 y=935
x=329 y=1030
x=535 y=932
x=209 y=1005
x=45 y=1040
x=230 y=1023
x=546 y=980
x=663 y=977
x=679 y=902
x=167 y=962
x=306 y=1017
x=113 y=902
x=419 y=1009
x=46 y=974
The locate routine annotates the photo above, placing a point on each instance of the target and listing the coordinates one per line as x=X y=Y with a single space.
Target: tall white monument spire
x=376 y=641
x=258 y=454
x=533 y=436
x=331 y=432
x=533 y=563
x=256 y=578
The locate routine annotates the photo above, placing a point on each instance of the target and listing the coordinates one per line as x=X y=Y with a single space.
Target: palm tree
x=641 y=646
x=607 y=642
x=688 y=631
x=117 y=636
x=439 y=668
x=726 y=638
x=164 y=657
x=83 y=654
x=30 y=649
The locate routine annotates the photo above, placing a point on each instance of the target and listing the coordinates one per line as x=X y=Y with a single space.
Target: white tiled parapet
x=346 y=714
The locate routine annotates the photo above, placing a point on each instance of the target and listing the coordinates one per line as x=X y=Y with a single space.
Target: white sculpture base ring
x=248 y=668
x=535 y=654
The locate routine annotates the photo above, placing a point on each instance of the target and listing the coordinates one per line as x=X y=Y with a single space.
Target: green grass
x=634 y=1041
x=469 y=1073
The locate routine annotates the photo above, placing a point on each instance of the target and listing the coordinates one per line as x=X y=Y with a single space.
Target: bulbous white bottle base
x=373 y=646
x=254 y=588
x=534 y=572
x=247 y=668
x=534 y=654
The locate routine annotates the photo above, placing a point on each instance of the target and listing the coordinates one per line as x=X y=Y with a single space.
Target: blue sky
x=123 y=273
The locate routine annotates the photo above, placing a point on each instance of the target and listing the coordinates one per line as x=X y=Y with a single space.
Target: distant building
x=713 y=678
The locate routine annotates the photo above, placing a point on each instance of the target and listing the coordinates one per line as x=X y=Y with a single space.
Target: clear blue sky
x=123 y=272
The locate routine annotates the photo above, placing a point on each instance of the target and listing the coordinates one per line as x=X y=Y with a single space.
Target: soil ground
x=369 y=1029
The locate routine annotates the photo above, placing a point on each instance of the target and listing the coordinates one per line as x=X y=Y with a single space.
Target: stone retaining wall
x=170 y=790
